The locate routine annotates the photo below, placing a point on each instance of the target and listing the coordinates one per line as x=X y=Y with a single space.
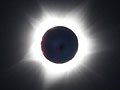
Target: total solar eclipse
x=59 y=44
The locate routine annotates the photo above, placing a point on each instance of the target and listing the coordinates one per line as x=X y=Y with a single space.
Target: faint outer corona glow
x=74 y=22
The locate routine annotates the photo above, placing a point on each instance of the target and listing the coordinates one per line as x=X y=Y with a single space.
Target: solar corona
x=60 y=44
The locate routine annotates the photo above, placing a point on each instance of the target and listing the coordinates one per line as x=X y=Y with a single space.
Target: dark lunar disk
x=59 y=44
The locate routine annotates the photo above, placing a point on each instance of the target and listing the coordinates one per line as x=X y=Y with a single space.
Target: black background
x=16 y=31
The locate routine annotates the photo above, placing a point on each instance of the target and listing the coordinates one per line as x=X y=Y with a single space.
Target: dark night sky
x=15 y=35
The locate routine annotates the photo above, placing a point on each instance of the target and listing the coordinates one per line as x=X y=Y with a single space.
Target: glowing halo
x=48 y=21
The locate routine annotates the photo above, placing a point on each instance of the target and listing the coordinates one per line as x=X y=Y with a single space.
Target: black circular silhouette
x=59 y=44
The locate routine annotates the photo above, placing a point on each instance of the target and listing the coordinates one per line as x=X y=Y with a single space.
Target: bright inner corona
x=48 y=21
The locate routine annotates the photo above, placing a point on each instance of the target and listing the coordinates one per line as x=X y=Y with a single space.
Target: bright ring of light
x=51 y=20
